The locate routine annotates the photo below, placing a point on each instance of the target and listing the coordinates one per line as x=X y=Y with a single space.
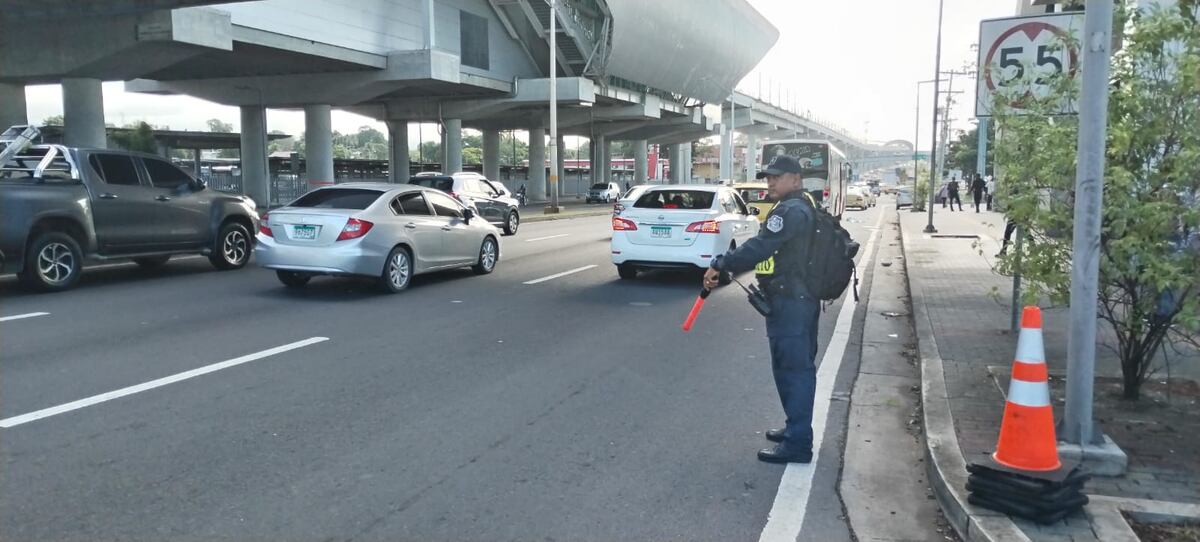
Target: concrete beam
x=13 y=107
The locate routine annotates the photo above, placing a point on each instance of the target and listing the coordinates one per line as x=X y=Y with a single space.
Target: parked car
x=629 y=197
x=860 y=197
x=63 y=205
x=387 y=231
x=603 y=193
x=477 y=192
x=680 y=227
x=904 y=196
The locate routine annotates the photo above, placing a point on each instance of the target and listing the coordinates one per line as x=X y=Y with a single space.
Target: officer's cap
x=780 y=165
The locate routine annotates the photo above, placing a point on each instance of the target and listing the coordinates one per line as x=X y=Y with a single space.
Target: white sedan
x=680 y=227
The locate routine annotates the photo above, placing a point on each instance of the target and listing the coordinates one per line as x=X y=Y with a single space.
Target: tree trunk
x=1130 y=367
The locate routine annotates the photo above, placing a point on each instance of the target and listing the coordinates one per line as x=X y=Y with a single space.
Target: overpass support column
x=453 y=150
x=685 y=149
x=726 y=146
x=83 y=113
x=606 y=160
x=536 y=189
x=196 y=162
x=318 y=144
x=399 y=167
x=641 y=161
x=254 y=155
x=675 y=154
x=599 y=143
x=12 y=105
x=491 y=155
x=751 y=157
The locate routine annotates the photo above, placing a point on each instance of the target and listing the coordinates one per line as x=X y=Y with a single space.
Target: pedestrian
x=793 y=318
x=991 y=191
x=952 y=189
x=977 y=189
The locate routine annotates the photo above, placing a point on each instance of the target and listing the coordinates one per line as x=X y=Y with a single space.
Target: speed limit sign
x=1019 y=56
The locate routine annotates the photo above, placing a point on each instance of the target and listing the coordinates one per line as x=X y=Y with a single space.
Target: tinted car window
x=444 y=206
x=600 y=186
x=338 y=198
x=741 y=205
x=445 y=184
x=115 y=169
x=676 y=199
x=411 y=204
x=164 y=175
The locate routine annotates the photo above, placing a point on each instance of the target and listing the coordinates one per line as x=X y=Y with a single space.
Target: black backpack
x=831 y=253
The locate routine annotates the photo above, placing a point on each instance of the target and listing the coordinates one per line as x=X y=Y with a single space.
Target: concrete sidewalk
x=962 y=312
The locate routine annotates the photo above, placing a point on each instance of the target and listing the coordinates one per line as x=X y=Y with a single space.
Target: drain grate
x=950 y=236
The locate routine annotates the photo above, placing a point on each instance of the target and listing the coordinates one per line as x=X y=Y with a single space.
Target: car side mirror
x=755 y=211
x=468 y=214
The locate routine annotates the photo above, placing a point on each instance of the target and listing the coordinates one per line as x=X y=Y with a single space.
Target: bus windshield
x=813 y=157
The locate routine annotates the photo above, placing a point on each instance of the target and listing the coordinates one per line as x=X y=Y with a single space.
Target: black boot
x=782 y=454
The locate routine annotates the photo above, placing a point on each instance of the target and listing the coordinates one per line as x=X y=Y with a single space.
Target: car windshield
x=676 y=199
x=444 y=184
x=338 y=198
x=756 y=195
x=600 y=186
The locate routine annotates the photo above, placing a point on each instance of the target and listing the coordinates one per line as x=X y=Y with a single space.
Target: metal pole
x=553 y=108
x=981 y=149
x=937 y=81
x=1089 y=197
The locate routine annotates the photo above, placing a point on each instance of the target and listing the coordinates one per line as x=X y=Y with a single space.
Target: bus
x=826 y=170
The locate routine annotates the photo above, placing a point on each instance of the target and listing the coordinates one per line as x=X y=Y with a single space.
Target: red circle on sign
x=1031 y=29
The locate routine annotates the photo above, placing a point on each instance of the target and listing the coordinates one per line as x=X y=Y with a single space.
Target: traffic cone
x=1027 y=440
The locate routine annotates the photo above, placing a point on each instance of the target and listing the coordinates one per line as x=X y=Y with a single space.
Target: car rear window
x=338 y=198
x=445 y=184
x=756 y=195
x=676 y=199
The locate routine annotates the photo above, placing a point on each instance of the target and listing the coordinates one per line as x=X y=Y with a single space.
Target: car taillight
x=707 y=226
x=621 y=224
x=354 y=229
x=825 y=194
x=263 y=228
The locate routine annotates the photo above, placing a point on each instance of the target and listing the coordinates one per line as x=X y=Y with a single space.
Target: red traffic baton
x=699 y=304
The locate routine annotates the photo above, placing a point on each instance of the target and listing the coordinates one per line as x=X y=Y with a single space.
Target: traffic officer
x=792 y=323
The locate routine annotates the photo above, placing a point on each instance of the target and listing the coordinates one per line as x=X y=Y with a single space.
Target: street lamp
x=937 y=80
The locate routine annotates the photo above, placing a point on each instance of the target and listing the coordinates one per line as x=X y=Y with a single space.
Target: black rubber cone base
x=1067 y=474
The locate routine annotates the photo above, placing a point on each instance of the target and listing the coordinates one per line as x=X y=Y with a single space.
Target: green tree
x=53 y=120
x=963 y=151
x=216 y=125
x=140 y=139
x=472 y=156
x=1149 y=283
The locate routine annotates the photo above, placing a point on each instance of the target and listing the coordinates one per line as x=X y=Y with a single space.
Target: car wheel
x=293 y=279
x=231 y=249
x=626 y=271
x=54 y=262
x=152 y=262
x=489 y=254
x=513 y=222
x=397 y=271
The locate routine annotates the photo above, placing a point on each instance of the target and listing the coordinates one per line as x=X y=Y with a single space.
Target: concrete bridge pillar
x=491 y=154
x=675 y=152
x=453 y=148
x=196 y=163
x=606 y=161
x=318 y=145
x=751 y=157
x=83 y=113
x=12 y=105
x=686 y=150
x=254 y=154
x=599 y=143
x=536 y=187
x=399 y=168
x=641 y=161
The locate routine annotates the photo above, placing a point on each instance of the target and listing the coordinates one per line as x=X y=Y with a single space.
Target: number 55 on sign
x=1018 y=56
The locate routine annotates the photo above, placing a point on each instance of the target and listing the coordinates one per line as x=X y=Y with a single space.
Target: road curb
x=944 y=461
x=567 y=216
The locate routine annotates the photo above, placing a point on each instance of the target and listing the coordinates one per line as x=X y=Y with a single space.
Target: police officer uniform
x=792 y=322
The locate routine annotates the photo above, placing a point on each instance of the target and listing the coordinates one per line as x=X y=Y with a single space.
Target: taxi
x=756 y=195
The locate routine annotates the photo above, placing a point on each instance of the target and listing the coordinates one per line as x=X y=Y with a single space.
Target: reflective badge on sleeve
x=765 y=267
x=775 y=223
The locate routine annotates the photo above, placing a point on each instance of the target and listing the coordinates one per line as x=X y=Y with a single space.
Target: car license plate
x=660 y=231
x=304 y=232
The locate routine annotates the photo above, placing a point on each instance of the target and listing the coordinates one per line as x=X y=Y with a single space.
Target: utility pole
x=937 y=81
x=1078 y=427
x=553 y=207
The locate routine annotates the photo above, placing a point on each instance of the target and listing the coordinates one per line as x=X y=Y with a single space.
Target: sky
x=854 y=63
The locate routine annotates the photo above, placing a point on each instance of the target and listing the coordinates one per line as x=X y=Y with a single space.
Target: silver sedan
x=387 y=231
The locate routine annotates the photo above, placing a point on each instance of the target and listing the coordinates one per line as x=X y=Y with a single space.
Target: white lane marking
x=23 y=316
x=547 y=237
x=786 y=519
x=178 y=377
x=557 y=275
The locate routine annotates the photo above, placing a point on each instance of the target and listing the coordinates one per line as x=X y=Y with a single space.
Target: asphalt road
x=466 y=408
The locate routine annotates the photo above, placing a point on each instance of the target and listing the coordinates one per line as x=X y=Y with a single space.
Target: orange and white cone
x=1027 y=441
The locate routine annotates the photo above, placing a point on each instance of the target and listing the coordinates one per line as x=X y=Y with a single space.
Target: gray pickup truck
x=60 y=206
